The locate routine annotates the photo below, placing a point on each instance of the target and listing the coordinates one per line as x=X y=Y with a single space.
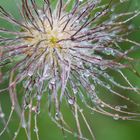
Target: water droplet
x=92 y=87
x=116 y=117
x=34 y=108
x=118 y=108
x=52 y=81
x=75 y=90
x=57 y=116
x=2 y=115
x=108 y=86
x=30 y=73
x=97 y=13
x=24 y=125
x=124 y=118
x=97 y=101
x=36 y=130
x=112 y=9
x=77 y=22
x=38 y=97
x=103 y=67
x=30 y=105
x=123 y=1
x=15 y=133
x=102 y=105
x=87 y=73
x=109 y=51
x=70 y=15
x=84 y=30
x=125 y=106
x=71 y=101
x=80 y=63
x=50 y=86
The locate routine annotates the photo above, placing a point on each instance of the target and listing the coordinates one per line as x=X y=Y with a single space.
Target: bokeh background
x=105 y=128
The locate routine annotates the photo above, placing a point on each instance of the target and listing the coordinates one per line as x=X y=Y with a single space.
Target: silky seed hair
x=69 y=52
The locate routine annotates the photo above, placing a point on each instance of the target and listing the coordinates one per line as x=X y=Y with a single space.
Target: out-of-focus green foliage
x=104 y=128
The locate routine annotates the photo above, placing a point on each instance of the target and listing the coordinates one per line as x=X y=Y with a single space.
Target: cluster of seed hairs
x=68 y=51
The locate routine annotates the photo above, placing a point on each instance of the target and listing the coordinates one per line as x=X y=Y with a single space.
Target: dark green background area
x=105 y=128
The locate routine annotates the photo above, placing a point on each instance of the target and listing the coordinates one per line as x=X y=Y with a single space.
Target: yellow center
x=48 y=38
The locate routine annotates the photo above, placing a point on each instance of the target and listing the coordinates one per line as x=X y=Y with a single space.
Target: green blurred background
x=105 y=128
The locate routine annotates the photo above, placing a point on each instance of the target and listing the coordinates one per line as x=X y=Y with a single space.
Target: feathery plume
x=67 y=50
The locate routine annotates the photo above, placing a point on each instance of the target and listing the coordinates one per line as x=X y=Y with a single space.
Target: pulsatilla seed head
x=67 y=50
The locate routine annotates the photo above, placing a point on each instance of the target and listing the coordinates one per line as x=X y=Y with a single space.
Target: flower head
x=66 y=52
